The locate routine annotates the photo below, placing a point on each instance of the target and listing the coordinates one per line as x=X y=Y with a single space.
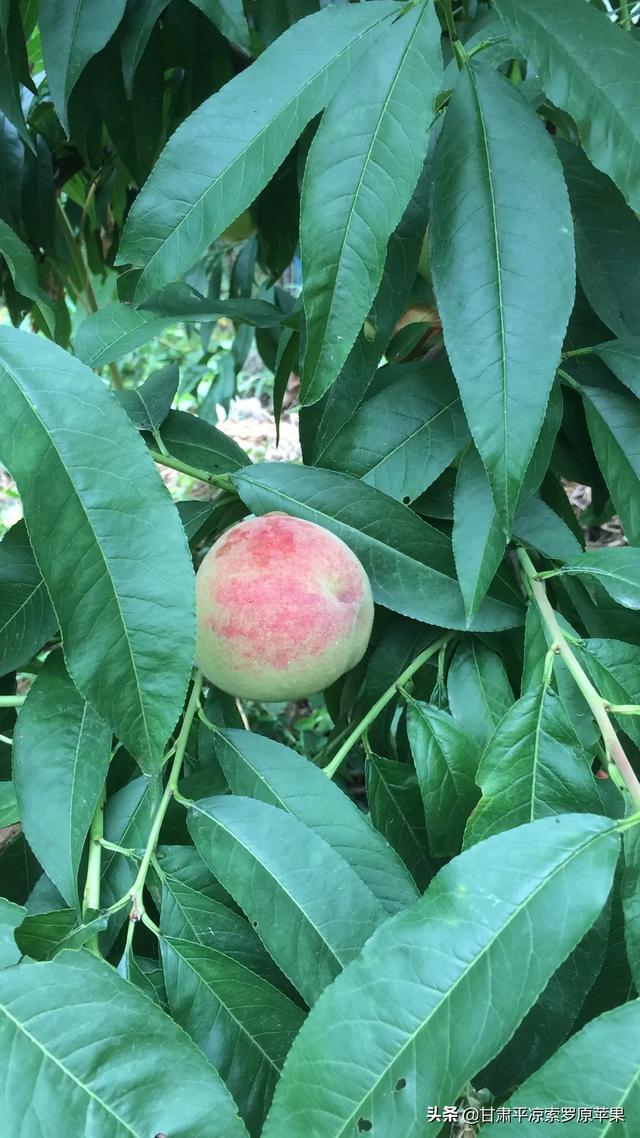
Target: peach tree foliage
x=203 y=932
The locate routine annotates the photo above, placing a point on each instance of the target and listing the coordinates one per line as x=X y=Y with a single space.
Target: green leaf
x=614 y=427
x=553 y=1015
x=359 y=370
x=589 y=68
x=61 y=752
x=617 y=568
x=446 y=762
x=482 y=230
x=11 y=43
x=114 y=331
x=71 y=35
x=24 y=274
x=532 y=768
x=478 y=689
x=139 y=21
x=478 y=537
x=27 y=618
x=179 y=302
x=631 y=900
x=622 y=357
x=148 y=405
x=128 y=817
x=478 y=939
x=240 y=138
x=396 y=811
x=409 y=563
x=607 y=244
x=9 y=812
x=11 y=917
x=362 y=168
x=108 y=540
x=401 y=439
x=42 y=936
x=614 y=668
x=264 y=769
x=539 y=527
x=192 y=440
x=243 y=1025
x=11 y=164
x=228 y=17
x=192 y=915
x=72 y=1020
x=311 y=910
x=598 y=1068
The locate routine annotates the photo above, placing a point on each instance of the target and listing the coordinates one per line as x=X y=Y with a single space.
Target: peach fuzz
x=284 y=608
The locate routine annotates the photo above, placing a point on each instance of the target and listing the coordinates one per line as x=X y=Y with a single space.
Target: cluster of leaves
x=200 y=931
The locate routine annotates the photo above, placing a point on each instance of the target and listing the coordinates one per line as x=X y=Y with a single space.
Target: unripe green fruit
x=241 y=229
x=284 y=608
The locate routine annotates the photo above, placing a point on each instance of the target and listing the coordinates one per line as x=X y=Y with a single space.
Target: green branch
x=382 y=702
x=170 y=791
x=613 y=747
x=223 y=481
x=12 y=700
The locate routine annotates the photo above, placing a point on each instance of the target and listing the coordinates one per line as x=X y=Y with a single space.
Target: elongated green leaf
x=264 y=769
x=106 y=537
x=65 y=1023
x=139 y=21
x=622 y=357
x=616 y=568
x=191 y=440
x=478 y=537
x=539 y=527
x=42 y=936
x=395 y=807
x=228 y=17
x=631 y=900
x=481 y=233
x=401 y=439
x=532 y=768
x=11 y=46
x=311 y=910
x=446 y=762
x=593 y=1082
x=391 y=1036
x=113 y=331
x=27 y=618
x=9 y=812
x=243 y=1025
x=24 y=273
x=72 y=33
x=362 y=168
x=11 y=917
x=589 y=68
x=607 y=244
x=191 y=914
x=409 y=563
x=614 y=667
x=181 y=302
x=614 y=426
x=61 y=751
x=553 y=1015
x=11 y=164
x=238 y=138
x=478 y=689
x=325 y=419
x=148 y=405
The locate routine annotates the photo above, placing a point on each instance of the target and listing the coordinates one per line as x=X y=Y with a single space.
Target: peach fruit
x=284 y=608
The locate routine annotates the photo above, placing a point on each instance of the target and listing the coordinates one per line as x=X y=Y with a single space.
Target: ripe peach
x=284 y=608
